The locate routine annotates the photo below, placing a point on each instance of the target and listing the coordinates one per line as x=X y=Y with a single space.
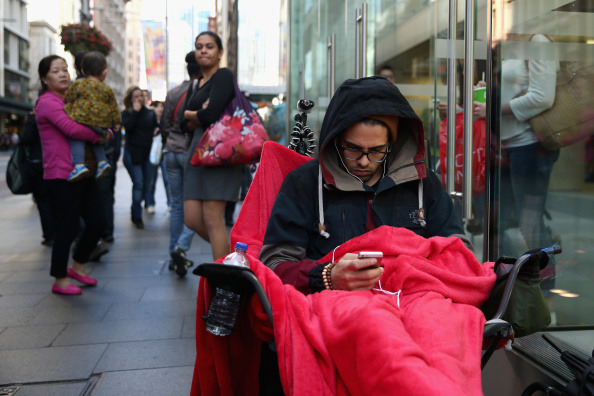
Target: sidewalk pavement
x=132 y=334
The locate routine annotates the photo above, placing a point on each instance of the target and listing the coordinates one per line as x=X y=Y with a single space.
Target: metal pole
x=451 y=145
x=357 y=43
x=363 y=39
x=468 y=93
x=166 y=46
x=489 y=116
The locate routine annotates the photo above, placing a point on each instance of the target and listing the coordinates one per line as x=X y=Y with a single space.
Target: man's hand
x=352 y=273
x=108 y=136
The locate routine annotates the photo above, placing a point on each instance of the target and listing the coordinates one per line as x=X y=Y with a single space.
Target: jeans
x=140 y=174
x=529 y=174
x=77 y=151
x=150 y=192
x=179 y=234
x=107 y=189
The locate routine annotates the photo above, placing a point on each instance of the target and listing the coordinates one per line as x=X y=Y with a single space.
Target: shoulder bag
x=18 y=172
x=236 y=138
x=571 y=117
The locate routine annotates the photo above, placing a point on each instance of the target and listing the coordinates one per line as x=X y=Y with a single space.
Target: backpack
x=18 y=172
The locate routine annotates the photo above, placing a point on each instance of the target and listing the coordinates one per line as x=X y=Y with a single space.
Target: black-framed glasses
x=354 y=154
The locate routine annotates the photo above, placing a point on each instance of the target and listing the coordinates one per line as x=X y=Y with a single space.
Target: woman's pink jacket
x=55 y=127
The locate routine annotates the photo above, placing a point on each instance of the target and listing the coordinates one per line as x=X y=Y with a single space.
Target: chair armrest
x=240 y=280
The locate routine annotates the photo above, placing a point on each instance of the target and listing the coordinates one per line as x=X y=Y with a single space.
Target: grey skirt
x=210 y=183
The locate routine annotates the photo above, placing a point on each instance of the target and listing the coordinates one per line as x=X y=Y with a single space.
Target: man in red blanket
x=339 y=330
x=371 y=172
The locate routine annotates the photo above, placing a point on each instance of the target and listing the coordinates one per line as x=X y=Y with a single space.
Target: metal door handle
x=331 y=59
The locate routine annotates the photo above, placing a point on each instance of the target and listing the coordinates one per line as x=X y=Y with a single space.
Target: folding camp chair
x=244 y=281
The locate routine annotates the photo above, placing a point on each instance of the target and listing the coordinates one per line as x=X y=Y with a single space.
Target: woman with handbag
x=208 y=188
x=70 y=201
x=527 y=89
x=140 y=124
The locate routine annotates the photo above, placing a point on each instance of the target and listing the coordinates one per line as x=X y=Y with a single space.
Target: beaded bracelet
x=326 y=276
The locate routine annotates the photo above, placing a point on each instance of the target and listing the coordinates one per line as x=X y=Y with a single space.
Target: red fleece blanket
x=425 y=340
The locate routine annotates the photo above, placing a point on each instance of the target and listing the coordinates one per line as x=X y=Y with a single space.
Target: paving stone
x=162 y=381
x=51 y=312
x=30 y=276
x=189 y=329
x=39 y=286
x=16 y=316
x=119 y=331
x=24 y=337
x=147 y=354
x=147 y=310
x=49 y=364
x=53 y=389
x=182 y=291
x=21 y=300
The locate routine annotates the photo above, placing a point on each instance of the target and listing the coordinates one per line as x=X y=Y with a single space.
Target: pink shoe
x=85 y=280
x=71 y=290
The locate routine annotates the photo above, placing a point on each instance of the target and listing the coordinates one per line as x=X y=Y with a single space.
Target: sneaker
x=100 y=250
x=79 y=171
x=138 y=223
x=103 y=169
x=150 y=209
x=178 y=256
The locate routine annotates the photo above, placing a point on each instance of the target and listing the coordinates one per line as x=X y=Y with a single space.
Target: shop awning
x=8 y=105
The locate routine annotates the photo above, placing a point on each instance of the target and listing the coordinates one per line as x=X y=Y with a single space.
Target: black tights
x=71 y=201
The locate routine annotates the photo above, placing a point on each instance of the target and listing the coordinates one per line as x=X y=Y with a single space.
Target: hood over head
x=373 y=97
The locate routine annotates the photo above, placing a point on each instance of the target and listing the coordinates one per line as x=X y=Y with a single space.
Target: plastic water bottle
x=238 y=256
x=224 y=306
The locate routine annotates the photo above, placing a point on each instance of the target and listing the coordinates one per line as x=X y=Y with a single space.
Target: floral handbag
x=236 y=138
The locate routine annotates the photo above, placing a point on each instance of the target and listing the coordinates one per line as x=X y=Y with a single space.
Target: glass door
x=542 y=191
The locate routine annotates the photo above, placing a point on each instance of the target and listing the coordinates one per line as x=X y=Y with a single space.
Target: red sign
x=212 y=24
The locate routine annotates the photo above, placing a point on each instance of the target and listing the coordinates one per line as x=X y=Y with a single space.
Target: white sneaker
x=150 y=209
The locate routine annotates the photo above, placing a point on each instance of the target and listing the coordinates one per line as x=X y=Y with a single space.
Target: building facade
x=133 y=44
x=109 y=16
x=15 y=76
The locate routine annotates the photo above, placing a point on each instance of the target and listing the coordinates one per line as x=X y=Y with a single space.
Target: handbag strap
x=178 y=105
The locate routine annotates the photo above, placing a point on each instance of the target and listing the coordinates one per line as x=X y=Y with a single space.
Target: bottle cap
x=241 y=245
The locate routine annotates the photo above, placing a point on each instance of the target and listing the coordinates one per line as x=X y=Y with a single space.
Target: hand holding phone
x=371 y=254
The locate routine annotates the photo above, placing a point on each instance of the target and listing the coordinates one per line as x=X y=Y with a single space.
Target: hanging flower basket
x=82 y=37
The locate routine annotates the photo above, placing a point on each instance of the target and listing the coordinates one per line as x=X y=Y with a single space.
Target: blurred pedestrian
x=78 y=57
x=207 y=189
x=140 y=124
x=174 y=157
x=158 y=108
x=41 y=187
x=71 y=201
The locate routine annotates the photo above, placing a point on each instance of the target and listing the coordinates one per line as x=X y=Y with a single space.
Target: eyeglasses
x=354 y=154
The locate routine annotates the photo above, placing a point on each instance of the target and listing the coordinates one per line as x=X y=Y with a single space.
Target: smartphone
x=376 y=255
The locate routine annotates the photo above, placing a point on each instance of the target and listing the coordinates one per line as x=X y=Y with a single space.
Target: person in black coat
x=140 y=125
x=30 y=139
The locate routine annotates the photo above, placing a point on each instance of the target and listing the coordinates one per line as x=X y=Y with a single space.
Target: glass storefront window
x=412 y=38
x=546 y=194
x=15 y=86
x=24 y=63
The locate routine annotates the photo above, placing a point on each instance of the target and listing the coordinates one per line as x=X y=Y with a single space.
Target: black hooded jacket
x=293 y=241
